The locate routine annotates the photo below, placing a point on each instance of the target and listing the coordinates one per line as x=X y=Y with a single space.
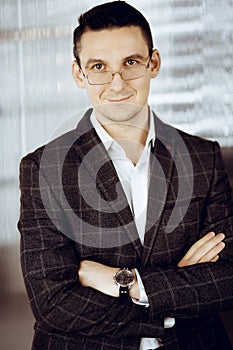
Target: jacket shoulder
x=195 y=144
x=52 y=149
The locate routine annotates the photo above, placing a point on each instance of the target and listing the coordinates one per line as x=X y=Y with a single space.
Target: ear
x=155 y=63
x=78 y=75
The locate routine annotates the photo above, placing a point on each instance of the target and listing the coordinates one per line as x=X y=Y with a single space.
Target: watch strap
x=124 y=293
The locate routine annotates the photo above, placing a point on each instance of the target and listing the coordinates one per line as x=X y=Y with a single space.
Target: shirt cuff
x=143 y=300
x=169 y=322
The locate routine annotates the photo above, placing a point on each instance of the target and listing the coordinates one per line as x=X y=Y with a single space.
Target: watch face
x=124 y=278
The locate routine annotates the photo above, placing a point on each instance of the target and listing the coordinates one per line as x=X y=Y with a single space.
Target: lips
x=119 y=99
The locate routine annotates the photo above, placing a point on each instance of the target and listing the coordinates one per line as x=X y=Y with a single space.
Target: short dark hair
x=107 y=16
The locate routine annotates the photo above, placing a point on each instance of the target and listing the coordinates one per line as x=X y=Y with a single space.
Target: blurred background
x=193 y=92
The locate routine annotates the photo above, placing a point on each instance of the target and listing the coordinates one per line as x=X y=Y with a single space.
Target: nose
x=117 y=83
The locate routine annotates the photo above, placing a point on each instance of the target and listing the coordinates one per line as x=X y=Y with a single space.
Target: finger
x=204 y=252
x=215 y=258
x=213 y=252
x=199 y=244
x=207 y=247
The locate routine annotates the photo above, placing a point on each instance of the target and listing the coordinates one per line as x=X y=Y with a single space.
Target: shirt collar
x=107 y=140
x=151 y=133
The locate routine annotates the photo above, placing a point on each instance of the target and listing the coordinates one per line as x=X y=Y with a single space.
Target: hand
x=98 y=276
x=206 y=249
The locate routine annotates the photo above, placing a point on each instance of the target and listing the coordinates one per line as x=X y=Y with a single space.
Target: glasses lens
x=133 y=72
x=127 y=73
x=99 y=78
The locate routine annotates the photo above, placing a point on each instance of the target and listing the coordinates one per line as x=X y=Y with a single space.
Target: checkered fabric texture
x=189 y=195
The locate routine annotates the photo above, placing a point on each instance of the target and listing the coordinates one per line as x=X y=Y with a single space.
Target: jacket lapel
x=161 y=171
x=108 y=192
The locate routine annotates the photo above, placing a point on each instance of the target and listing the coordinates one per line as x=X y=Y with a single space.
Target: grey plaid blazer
x=73 y=208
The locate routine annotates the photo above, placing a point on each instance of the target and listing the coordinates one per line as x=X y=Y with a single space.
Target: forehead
x=112 y=44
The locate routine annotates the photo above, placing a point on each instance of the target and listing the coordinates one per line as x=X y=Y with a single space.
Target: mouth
x=118 y=100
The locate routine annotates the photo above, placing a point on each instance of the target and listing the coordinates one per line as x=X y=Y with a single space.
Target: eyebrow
x=91 y=61
x=137 y=56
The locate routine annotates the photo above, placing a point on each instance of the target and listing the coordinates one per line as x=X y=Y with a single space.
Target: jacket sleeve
x=49 y=263
x=205 y=288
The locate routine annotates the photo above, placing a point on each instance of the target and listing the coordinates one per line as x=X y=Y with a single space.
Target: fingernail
x=212 y=233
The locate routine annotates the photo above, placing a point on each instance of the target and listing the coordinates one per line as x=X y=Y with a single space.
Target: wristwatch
x=124 y=279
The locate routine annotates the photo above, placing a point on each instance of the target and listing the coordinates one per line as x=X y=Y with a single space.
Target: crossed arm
x=100 y=277
x=61 y=303
x=191 y=289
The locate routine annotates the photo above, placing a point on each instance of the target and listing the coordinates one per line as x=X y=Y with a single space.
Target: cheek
x=143 y=89
x=94 y=93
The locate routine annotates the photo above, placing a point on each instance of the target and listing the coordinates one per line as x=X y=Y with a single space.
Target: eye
x=98 y=66
x=131 y=62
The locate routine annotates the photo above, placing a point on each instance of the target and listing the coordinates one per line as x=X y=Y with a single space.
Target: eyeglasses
x=131 y=72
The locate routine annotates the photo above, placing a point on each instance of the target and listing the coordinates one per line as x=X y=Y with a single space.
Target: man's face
x=111 y=50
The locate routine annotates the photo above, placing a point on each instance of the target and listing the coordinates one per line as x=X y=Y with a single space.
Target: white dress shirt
x=135 y=182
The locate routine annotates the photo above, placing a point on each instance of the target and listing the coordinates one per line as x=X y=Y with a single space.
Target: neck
x=130 y=134
x=134 y=129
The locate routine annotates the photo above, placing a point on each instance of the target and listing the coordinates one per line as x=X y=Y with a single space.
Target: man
x=122 y=218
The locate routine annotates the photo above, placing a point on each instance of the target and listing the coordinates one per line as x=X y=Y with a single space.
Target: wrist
x=134 y=290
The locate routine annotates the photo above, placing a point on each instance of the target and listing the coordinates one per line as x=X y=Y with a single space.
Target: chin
x=119 y=111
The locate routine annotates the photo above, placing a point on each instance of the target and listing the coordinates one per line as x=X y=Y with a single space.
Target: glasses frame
x=119 y=72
